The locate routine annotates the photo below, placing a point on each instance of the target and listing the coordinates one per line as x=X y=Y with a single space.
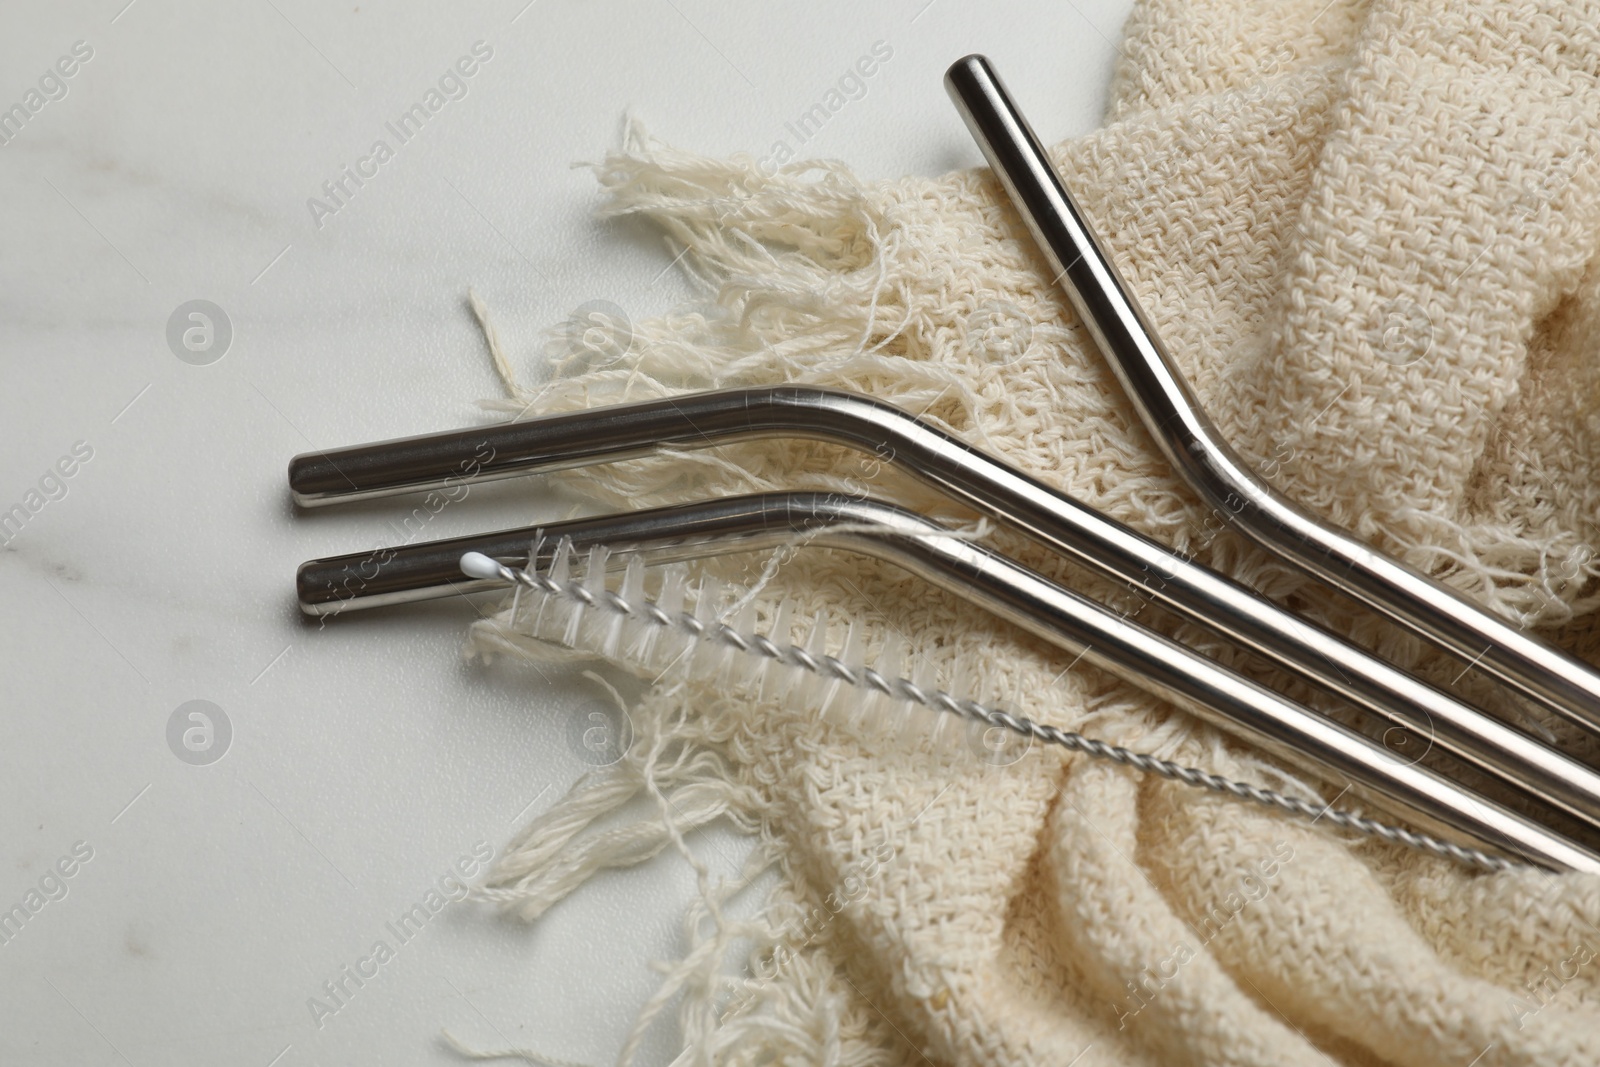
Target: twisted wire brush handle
x=480 y=567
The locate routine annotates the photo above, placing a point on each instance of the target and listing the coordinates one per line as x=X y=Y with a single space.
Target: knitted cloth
x=1367 y=232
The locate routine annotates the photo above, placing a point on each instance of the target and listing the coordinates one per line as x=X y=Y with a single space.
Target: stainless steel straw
x=1150 y=570
x=1100 y=636
x=1208 y=463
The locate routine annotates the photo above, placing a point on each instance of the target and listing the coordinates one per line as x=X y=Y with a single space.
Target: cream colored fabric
x=1368 y=232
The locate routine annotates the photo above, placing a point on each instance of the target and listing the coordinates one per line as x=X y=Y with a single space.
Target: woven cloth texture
x=1368 y=233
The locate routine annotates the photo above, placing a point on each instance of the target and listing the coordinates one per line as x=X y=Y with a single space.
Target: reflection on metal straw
x=1012 y=592
x=1151 y=571
x=1197 y=450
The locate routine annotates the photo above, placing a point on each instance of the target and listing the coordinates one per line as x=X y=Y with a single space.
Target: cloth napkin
x=1368 y=233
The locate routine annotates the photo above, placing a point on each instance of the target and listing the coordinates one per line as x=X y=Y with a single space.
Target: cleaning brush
x=685 y=625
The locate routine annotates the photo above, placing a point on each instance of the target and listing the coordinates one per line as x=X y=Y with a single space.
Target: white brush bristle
x=637 y=641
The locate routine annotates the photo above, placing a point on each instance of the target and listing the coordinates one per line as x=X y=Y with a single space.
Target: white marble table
x=151 y=560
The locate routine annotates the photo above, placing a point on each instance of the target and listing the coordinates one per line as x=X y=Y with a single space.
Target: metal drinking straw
x=916 y=543
x=1197 y=451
